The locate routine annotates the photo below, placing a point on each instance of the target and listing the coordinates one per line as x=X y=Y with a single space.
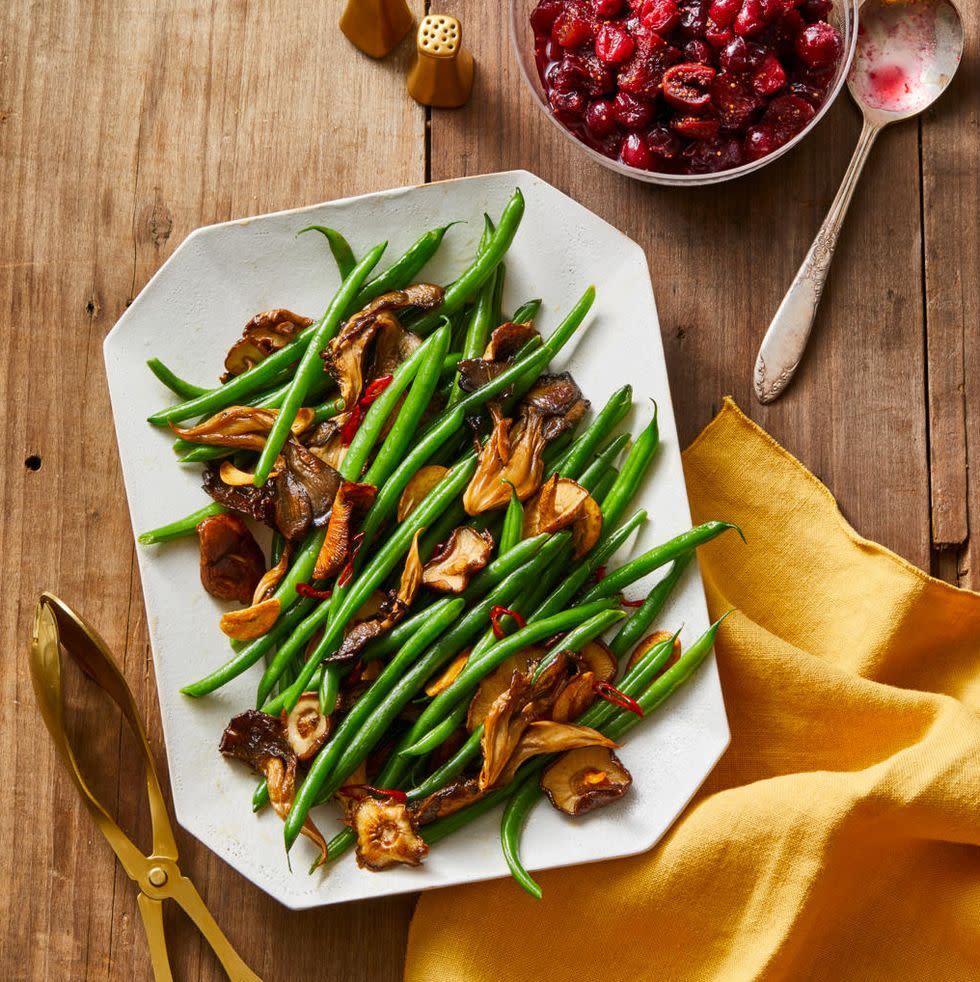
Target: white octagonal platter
x=190 y=313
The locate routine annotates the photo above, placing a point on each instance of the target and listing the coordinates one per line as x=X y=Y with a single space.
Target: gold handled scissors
x=158 y=877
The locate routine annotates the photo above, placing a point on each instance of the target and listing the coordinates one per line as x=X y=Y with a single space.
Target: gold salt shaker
x=376 y=26
x=442 y=74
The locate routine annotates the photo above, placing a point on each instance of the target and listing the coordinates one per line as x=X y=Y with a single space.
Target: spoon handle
x=785 y=341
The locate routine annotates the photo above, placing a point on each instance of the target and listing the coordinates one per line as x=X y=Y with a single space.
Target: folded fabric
x=839 y=836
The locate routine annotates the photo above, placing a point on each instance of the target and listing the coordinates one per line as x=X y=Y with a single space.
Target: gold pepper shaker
x=442 y=75
x=376 y=26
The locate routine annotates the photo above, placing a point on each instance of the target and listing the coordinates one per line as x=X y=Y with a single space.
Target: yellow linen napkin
x=838 y=837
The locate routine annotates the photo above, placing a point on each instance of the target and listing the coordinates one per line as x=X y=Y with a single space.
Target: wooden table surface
x=123 y=126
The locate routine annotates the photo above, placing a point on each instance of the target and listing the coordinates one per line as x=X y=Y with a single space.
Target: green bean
x=513 y=522
x=449 y=364
x=496 y=310
x=349 y=738
x=329 y=689
x=637 y=568
x=415 y=404
x=183 y=526
x=260 y=797
x=438 y=734
x=311 y=364
x=605 y=484
x=526 y=312
x=244 y=659
x=523 y=798
x=340 y=248
x=444 y=827
x=381 y=564
x=633 y=630
x=451 y=768
x=177 y=385
x=573 y=580
x=240 y=388
x=481 y=269
x=606 y=420
x=602 y=466
x=452 y=418
x=633 y=471
x=588 y=620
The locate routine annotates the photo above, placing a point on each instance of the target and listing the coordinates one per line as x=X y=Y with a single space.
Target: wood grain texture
x=125 y=126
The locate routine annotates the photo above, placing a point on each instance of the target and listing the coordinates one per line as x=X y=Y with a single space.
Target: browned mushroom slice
x=547 y=737
x=575 y=698
x=466 y=553
x=326 y=440
x=600 y=660
x=391 y=611
x=263 y=335
x=504 y=343
x=255 y=502
x=232 y=563
x=584 y=779
x=387 y=834
x=251 y=622
x=498 y=682
x=452 y=798
x=527 y=699
x=558 y=400
x=421 y=483
x=446 y=678
x=393 y=345
x=562 y=503
x=259 y=740
x=350 y=503
x=273 y=576
x=303 y=493
x=241 y=427
x=658 y=637
x=307 y=728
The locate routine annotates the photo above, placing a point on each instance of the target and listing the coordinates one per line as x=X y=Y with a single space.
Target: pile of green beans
x=548 y=592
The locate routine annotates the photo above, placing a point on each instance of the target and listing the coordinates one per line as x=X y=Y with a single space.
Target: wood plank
x=122 y=128
x=723 y=257
x=951 y=209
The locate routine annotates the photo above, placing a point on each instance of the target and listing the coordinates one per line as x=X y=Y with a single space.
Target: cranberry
x=760 y=141
x=698 y=51
x=694 y=17
x=609 y=8
x=630 y=112
x=644 y=72
x=636 y=153
x=613 y=45
x=663 y=144
x=571 y=30
x=544 y=14
x=718 y=37
x=787 y=115
x=770 y=76
x=734 y=101
x=686 y=87
x=582 y=70
x=567 y=105
x=783 y=34
x=740 y=57
x=724 y=12
x=812 y=93
x=713 y=155
x=819 y=45
x=773 y=10
x=661 y=16
x=697 y=127
x=750 y=18
x=600 y=118
x=816 y=9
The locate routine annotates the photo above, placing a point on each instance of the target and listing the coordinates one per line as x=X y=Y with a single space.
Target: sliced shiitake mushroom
x=250 y=622
x=562 y=503
x=547 y=737
x=255 y=502
x=307 y=728
x=303 y=493
x=421 y=483
x=658 y=637
x=264 y=334
x=498 y=682
x=504 y=343
x=232 y=563
x=584 y=779
x=598 y=656
x=446 y=678
x=387 y=834
x=349 y=504
x=575 y=698
x=446 y=801
x=259 y=740
x=467 y=552
x=241 y=427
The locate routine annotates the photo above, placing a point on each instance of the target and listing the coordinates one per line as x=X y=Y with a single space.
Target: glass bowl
x=844 y=17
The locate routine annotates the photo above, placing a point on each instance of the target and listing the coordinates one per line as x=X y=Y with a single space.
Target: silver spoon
x=907 y=54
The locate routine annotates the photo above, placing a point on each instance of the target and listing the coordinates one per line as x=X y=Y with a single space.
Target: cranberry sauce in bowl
x=686 y=87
